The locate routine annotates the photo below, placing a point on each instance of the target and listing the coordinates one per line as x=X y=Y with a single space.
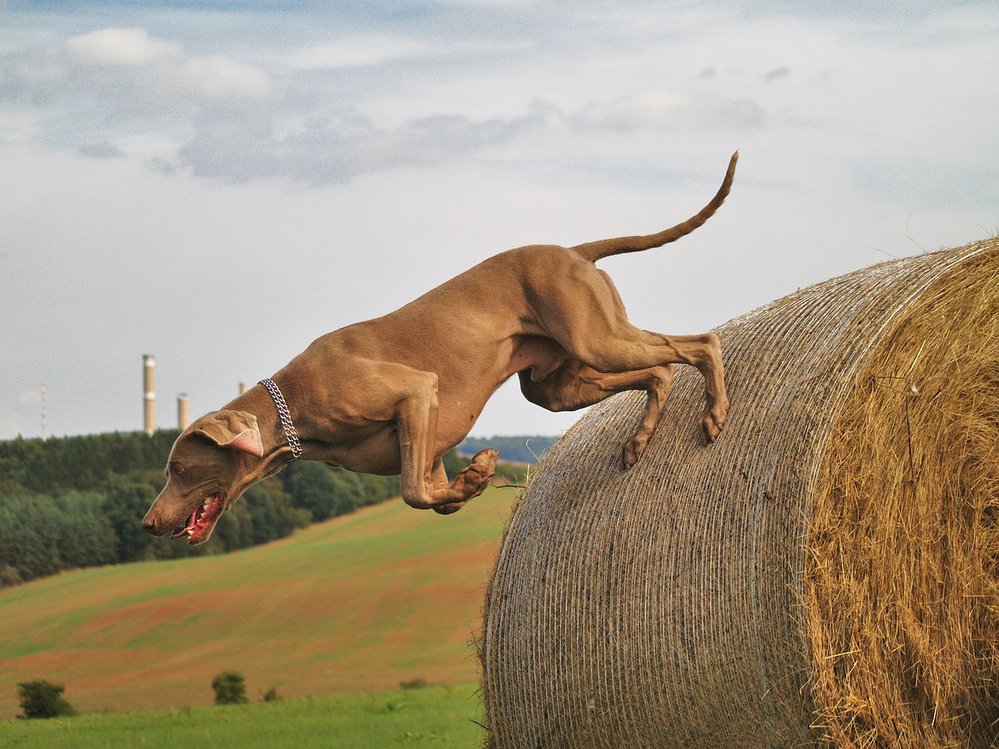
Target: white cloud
x=101 y=150
x=323 y=151
x=664 y=109
x=222 y=78
x=777 y=73
x=36 y=71
x=357 y=51
x=368 y=50
x=121 y=47
x=124 y=71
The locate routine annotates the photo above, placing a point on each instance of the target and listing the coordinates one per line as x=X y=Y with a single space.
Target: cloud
x=663 y=109
x=356 y=52
x=776 y=73
x=326 y=150
x=121 y=47
x=222 y=78
x=370 y=50
x=124 y=70
x=102 y=150
x=225 y=119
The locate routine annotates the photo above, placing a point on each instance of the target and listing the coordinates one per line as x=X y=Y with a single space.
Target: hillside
x=360 y=602
x=75 y=502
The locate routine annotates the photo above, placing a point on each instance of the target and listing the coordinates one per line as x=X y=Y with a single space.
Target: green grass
x=358 y=604
x=430 y=717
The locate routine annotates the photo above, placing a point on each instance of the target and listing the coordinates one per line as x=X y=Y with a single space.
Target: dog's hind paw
x=632 y=451
x=714 y=421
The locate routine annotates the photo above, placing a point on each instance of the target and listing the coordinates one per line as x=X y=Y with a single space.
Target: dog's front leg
x=424 y=481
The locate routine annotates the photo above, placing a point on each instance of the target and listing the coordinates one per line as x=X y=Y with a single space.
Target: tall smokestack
x=242 y=388
x=183 y=412
x=149 y=392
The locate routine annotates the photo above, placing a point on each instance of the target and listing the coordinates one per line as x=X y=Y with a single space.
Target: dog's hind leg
x=586 y=317
x=574 y=385
x=636 y=348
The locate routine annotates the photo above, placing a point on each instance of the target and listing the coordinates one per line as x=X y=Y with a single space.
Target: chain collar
x=284 y=415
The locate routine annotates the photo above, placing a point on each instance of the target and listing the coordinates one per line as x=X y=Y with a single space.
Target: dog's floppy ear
x=235 y=429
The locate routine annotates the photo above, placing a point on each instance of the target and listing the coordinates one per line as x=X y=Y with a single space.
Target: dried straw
x=827 y=571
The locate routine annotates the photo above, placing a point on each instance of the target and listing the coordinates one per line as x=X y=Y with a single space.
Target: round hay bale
x=826 y=571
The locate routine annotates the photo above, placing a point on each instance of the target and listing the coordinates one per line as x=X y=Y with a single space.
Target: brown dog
x=392 y=395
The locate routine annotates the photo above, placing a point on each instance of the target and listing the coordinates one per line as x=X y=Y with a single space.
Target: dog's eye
x=178 y=470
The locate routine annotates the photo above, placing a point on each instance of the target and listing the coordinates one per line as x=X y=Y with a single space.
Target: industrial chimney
x=149 y=388
x=183 y=412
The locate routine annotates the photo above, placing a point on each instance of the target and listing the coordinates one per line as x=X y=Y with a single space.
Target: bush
x=42 y=699
x=230 y=688
x=9 y=576
x=271 y=695
x=418 y=683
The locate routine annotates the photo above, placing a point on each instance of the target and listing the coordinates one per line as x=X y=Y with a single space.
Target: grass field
x=433 y=717
x=360 y=603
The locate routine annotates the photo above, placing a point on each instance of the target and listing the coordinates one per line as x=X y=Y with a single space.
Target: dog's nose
x=150 y=522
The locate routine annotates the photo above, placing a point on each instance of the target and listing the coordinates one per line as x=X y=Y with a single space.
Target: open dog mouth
x=200 y=523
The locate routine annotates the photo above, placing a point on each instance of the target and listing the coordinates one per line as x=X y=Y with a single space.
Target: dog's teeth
x=190 y=531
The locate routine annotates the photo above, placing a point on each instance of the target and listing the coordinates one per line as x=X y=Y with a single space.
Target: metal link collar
x=284 y=415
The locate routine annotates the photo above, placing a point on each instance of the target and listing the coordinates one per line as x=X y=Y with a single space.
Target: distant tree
x=79 y=502
x=378 y=488
x=519 y=449
x=316 y=489
x=230 y=688
x=82 y=463
x=84 y=539
x=266 y=520
x=42 y=699
x=234 y=529
x=453 y=463
x=273 y=512
x=42 y=535
x=29 y=535
x=125 y=503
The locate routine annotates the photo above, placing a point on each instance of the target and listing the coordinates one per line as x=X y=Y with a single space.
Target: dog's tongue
x=187 y=526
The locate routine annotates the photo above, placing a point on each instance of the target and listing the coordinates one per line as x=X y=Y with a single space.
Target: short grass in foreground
x=428 y=717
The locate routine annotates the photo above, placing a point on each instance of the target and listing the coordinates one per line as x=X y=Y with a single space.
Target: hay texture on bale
x=825 y=572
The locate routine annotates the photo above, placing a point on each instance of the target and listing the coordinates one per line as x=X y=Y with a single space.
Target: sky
x=217 y=184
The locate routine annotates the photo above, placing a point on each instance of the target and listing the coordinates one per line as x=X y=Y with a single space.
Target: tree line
x=78 y=502
x=517 y=449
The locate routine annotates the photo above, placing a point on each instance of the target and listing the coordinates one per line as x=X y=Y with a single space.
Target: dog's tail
x=593 y=251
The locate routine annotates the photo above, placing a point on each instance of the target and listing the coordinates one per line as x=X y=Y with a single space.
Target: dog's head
x=210 y=465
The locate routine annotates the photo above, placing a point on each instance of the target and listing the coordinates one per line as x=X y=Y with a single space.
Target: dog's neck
x=284 y=417
x=277 y=453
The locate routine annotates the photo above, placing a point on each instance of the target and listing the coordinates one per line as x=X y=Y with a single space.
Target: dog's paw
x=475 y=477
x=714 y=421
x=631 y=452
x=486 y=458
x=449 y=508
